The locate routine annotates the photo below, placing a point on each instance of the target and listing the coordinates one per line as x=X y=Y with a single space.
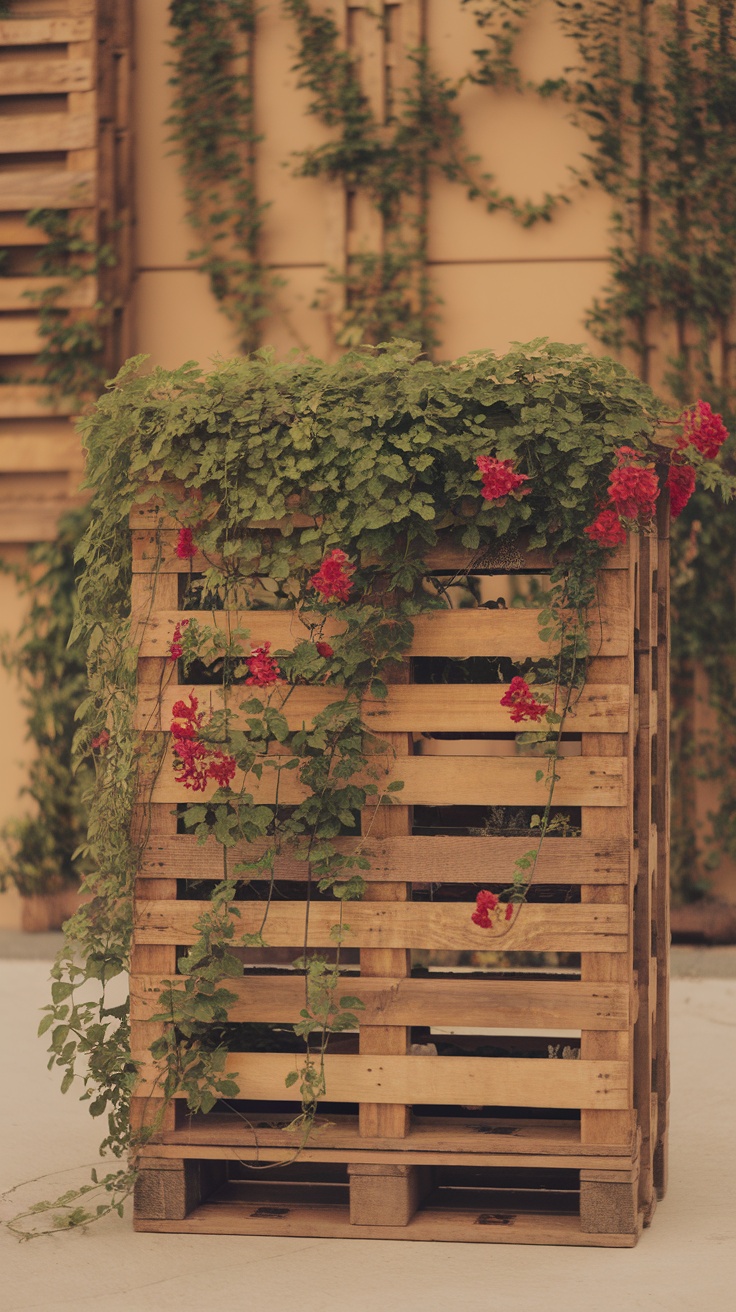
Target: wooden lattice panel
x=64 y=145
x=477 y=1133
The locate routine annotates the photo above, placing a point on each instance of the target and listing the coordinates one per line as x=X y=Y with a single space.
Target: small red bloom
x=485 y=902
x=221 y=768
x=518 y=697
x=606 y=529
x=333 y=576
x=633 y=487
x=175 y=649
x=703 y=429
x=499 y=477
x=681 y=484
x=101 y=741
x=185 y=546
x=325 y=650
x=509 y=910
x=263 y=668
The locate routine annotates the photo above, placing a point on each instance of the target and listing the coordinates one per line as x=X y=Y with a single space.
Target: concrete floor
x=684 y=1263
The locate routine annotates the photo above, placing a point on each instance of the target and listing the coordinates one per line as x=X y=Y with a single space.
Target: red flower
x=484 y=902
x=703 y=429
x=175 y=649
x=499 y=477
x=333 y=576
x=325 y=650
x=606 y=529
x=509 y=910
x=185 y=546
x=221 y=768
x=681 y=484
x=518 y=697
x=263 y=668
x=633 y=487
x=101 y=741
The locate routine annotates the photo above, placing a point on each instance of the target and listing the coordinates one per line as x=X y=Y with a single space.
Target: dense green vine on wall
x=213 y=127
x=44 y=849
x=380 y=453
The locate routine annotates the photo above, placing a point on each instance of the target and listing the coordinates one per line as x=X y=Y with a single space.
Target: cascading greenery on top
x=364 y=464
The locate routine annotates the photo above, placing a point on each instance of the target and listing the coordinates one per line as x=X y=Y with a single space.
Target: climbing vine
x=362 y=466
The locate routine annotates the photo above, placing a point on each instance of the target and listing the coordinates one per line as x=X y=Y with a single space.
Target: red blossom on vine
x=264 y=670
x=633 y=487
x=190 y=752
x=101 y=741
x=518 y=697
x=499 y=477
x=185 y=546
x=509 y=910
x=485 y=902
x=703 y=429
x=222 y=768
x=606 y=529
x=333 y=576
x=325 y=651
x=175 y=649
x=681 y=485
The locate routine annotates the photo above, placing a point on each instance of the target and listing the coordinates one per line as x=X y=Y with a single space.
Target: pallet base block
x=386 y=1195
x=608 y=1203
x=167 y=1190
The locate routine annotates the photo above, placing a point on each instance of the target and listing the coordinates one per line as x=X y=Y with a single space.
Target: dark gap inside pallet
x=292 y=890
x=230 y=1122
x=494 y=821
x=281 y=814
x=425 y=963
x=274 y=1036
x=487 y=670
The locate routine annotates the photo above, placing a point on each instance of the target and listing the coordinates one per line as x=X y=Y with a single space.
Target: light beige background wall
x=497 y=282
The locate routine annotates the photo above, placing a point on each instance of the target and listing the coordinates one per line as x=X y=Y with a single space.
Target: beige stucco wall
x=497 y=282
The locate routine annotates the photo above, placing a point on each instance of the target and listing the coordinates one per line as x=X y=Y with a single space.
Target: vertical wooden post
x=614 y=1128
x=661 y=908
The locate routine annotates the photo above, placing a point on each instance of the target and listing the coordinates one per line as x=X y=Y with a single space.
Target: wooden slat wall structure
x=64 y=145
x=416 y=1142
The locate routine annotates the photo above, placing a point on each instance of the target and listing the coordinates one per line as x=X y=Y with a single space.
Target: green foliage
x=44 y=848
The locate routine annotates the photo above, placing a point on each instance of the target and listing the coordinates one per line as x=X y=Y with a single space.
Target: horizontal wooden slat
x=27 y=189
x=150 y=546
x=36 y=77
x=24 y=133
x=526 y=1003
x=544 y=927
x=443 y=1081
x=31 y=401
x=457 y=633
x=44 y=31
x=19 y=335
x=359 y=1153
x=447 y=781
x=418 y=858
x=22 y=453
x=413 y=708
x=23 y=293
x=33 y=520
x=14 y=231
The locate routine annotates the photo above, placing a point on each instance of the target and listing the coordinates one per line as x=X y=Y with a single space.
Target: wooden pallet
x=459 y=1145
x=65 y=126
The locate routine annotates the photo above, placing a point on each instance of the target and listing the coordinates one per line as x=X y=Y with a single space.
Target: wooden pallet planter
x=454 y=1114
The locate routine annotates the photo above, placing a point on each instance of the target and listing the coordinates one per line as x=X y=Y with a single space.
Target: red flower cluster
x=185 y=546
x=263 y=668
x=197 y=761
x=101 y=741
x=703 y=429
x=499 y=477
x=681 y=485
x=333 y=576
x=484 y=903
x=606 y=529
x=633 y=487
x=523 y=706
x=324 y=650
x=175 y=649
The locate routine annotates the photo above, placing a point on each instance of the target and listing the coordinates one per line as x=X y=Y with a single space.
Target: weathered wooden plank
x=435 y=859
x=31 y=401
x=23 y=293
x=44 y=31
x=14 y=231
x=458 y=633
x=24 y=133
x=30 y=452
x=36 y=77
x=442 y=1081
x=445 y=781
x=27 y=189
x=418 y=708
x=562 y=927
x=506 y=1003
x=19 y=335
